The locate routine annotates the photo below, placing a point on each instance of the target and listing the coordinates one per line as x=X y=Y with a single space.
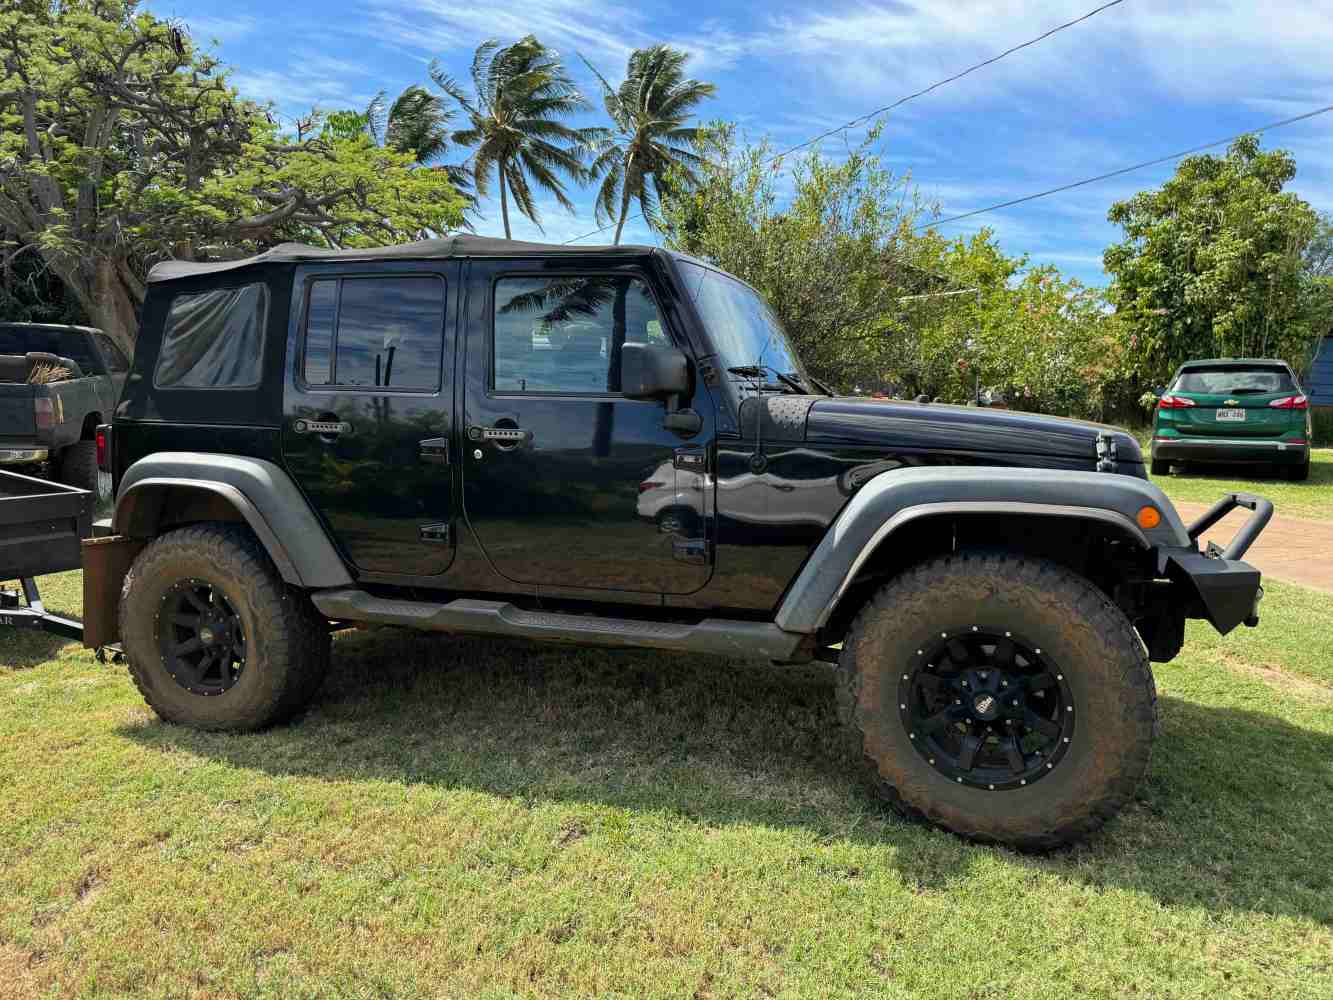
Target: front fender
x=892 y=500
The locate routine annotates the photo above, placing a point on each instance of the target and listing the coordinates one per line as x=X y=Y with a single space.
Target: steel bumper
x=1228 y=589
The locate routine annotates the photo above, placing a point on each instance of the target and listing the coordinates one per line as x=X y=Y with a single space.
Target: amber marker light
x=1148 y=518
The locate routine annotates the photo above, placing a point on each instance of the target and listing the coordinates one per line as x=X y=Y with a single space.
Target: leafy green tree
x=1212 y=263
x=650 y=139
x=123 y=144
x=522 y=93
x=415 y=124
x=832 y=261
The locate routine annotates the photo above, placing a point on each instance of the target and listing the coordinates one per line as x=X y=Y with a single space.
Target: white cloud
x=220 y=28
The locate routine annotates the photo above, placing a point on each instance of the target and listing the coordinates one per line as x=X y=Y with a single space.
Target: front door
x=557 y=463
x=368 y=411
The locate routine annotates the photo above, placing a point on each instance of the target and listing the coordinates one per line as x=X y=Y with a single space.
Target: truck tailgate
x=17 y=424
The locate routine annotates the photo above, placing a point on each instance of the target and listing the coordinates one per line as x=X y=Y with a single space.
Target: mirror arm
x=683 y=421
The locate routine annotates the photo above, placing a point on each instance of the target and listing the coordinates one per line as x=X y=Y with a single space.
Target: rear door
x=368 y=411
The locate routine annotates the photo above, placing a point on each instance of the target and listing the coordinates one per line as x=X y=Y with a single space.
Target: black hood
x=935 y=427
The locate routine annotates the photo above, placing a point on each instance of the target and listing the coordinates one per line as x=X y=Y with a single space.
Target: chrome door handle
x=322 y=427
x=500 y=435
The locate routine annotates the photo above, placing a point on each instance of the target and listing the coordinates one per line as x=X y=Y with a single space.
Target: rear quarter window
x=214 y=340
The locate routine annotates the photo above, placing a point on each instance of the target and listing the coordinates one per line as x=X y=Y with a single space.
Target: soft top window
x=214 y=340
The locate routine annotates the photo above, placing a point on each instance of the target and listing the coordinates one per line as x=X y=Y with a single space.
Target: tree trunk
x=112 y=305
x=624 y=210
x=504 y=202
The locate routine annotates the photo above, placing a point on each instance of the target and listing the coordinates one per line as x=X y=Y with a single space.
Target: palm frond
x=375 y=118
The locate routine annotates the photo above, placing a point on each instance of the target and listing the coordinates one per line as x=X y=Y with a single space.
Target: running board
x=720 y=636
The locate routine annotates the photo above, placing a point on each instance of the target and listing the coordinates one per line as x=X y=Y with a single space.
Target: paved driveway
x=1290 y=548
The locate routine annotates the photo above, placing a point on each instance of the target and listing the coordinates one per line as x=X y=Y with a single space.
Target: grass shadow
x=1233 y=815
x=26 y=648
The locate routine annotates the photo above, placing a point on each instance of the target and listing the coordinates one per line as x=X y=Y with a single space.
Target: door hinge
x=691 y=459
x=433 y=532
x=435 y=451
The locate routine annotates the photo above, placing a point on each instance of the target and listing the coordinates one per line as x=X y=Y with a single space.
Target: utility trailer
x=42 y=527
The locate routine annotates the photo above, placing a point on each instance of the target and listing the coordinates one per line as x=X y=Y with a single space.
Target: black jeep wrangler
x=617 y=446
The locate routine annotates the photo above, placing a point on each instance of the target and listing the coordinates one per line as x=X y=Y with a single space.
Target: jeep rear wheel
x=214 y=637
x=1001 y=697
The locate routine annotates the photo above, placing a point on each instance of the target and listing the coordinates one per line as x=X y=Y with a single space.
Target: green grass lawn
x=473 y=818
x=1204 y=484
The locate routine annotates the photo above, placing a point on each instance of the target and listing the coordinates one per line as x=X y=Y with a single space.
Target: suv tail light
x=103 y=447
x=1169 y=402
x=1290 y=403
x=44 y=413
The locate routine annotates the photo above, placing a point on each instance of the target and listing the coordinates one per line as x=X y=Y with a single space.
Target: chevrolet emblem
x=1232 y=402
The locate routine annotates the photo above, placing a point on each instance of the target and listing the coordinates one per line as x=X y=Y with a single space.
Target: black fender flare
x=261 y=493
x=891 y=501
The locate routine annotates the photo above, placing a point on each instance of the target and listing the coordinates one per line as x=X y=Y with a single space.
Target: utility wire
x=901 y=101
x=934 y=86
x=1125 y=170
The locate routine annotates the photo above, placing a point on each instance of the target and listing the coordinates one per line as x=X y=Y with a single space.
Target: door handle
x=325 y=428
x=435 y=451
x=500 y=435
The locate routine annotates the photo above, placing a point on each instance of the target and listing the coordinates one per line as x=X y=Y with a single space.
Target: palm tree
x=522 y=93
x=416 y=123
x=650 y=137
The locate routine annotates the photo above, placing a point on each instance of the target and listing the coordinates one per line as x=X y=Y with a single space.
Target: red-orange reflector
x=1148 y=518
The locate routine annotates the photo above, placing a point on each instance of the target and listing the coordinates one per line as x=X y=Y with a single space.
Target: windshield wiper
x=810 y=382
x=759 y=371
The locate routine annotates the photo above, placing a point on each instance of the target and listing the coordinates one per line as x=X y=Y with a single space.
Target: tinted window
x=319 y=332
x=214 y=340
x=386 y=332
x=565 y=334
x=72 y=344
x=1233 y=381
x=114 y=359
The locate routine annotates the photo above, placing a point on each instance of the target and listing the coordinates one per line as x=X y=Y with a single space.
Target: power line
x=1126 y=170
x=902 y=100
x=934 y=86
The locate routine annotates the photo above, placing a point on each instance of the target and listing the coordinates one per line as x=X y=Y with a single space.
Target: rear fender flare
x=893 y=500
x=261 y=493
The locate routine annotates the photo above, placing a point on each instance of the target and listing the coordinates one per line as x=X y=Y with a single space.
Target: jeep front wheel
x=1002 y=697
x=213 y=635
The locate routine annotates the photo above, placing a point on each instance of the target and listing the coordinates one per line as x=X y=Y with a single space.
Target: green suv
x=1248 y=410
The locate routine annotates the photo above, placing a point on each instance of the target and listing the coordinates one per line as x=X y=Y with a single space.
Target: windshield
x=741 y=325
x=1233 y=381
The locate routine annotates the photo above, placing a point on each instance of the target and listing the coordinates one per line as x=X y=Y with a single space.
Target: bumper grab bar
x=1240 y=544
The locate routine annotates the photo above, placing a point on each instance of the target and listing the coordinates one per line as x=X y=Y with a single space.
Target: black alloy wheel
x=202 y=638
x=986 y=708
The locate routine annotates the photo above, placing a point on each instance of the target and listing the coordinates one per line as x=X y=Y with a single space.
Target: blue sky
x=1140 y=80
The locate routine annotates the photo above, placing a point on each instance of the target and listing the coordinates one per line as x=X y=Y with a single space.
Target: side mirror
x=651 y=372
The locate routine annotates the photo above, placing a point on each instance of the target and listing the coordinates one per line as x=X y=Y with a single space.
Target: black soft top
x=450 y=246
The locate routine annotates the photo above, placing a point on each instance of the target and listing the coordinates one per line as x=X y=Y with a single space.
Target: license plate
x=1236 y=415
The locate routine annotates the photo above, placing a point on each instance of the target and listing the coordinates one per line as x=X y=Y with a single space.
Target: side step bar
x=724 y=637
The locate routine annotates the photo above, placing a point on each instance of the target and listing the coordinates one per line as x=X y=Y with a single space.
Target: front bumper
x=1221 y=449
x=1228 y=589
x=22 y=456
